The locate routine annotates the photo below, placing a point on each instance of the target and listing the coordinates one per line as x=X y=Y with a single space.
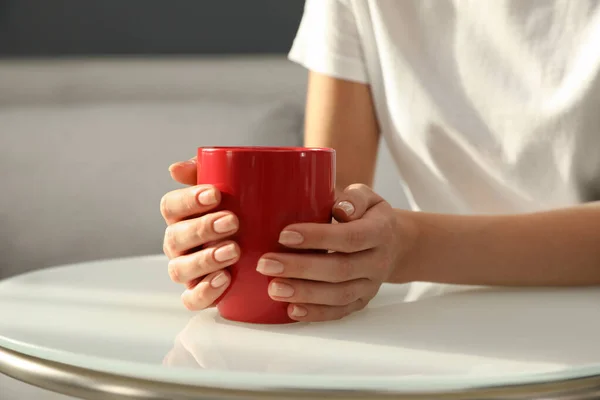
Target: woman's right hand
x=196 y=239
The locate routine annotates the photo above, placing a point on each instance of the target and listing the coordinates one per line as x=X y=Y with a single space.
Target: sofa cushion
x=82 y=182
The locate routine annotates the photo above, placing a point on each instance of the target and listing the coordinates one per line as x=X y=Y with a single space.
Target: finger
x=332 y=267
x=181 y=204
x=186 y=235
x=354 y=202
x=207 y=291
x=188 y=267
x=324 y=293
x=350 y=237
x=318 y=313
x=184 y=171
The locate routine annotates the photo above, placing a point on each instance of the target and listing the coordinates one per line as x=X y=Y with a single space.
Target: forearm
x=554 y=248
x=340 y=114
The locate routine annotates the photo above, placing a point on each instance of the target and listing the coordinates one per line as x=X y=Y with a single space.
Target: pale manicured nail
x=290 y=238
x=207 y=197
x=219 y=280
x=346 y=207
x=269 y=267
x=278 y=289
x=226 y=253
x=225 y=224
x=299 y=311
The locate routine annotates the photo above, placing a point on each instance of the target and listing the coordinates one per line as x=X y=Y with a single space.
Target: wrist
x=408 y=236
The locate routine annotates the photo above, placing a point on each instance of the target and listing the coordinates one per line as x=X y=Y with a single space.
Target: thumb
x=184 y=171
x=354 y=202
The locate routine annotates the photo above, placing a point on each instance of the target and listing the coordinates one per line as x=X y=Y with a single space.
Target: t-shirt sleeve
x=328 y=42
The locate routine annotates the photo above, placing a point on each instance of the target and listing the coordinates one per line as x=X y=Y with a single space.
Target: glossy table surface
x=117 y=327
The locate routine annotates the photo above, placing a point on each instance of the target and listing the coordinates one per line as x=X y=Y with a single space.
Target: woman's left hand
x=364 y=250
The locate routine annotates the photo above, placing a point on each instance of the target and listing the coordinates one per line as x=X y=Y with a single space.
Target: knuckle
x=355 y=238
x=199 y=297
x=205 y=260
x=317 y=313
x=164 y=207
x=345 y=270
x=207 y=294
x=187 y=303
x=340 y=312
x=360 y=305
x=355 y=306
x=173 y=272
x=203 y=228
x=189 y=203
x=328 y=313
x=356 y=187
x=347 y=295
x=170 y=242
x=305 y=292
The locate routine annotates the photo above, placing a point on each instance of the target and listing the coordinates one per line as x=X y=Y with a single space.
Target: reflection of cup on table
x=267 y=188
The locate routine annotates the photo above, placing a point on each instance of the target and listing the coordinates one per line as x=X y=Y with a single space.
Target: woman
x=492 y=113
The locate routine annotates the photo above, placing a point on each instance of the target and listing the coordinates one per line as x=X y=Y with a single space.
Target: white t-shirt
x=486 y=106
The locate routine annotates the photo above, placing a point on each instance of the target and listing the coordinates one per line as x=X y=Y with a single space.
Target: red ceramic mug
x=267 y=188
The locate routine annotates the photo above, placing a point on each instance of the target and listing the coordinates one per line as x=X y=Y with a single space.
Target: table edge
x=89 y=384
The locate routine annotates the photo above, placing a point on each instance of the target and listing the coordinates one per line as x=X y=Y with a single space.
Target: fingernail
x=225 y=224
x=346 y=207
x=269 y=267
x=225 y=253
x=299 y=311
x=279 y=289
x=219 y=280
x=207 y=197
x=290 y=238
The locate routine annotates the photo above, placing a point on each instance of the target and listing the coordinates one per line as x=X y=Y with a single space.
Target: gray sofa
x=85 y=146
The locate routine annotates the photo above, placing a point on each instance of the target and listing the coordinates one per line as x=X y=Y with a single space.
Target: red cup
x=267 y=188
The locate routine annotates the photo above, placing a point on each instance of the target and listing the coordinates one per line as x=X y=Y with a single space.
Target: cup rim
x=266 y=149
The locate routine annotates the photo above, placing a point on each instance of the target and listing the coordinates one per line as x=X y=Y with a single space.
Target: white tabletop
x=124 y=317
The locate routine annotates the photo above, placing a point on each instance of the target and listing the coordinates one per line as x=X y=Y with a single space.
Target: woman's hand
x=196 y=239
x=365 y=247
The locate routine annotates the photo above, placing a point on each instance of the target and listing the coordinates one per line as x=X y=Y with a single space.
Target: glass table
x=116 y=328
